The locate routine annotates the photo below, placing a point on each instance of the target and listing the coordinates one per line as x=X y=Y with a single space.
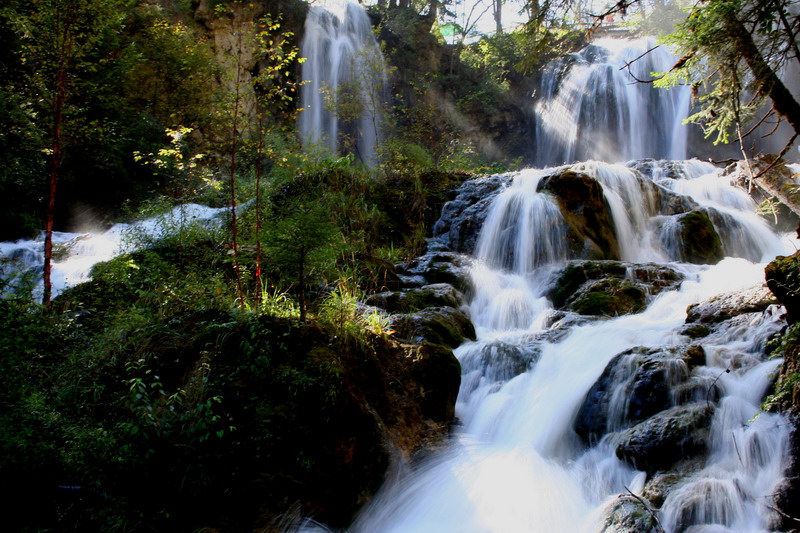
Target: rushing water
x=590 y=106
x=516 y=464
x=346 y=78
x=22 y=261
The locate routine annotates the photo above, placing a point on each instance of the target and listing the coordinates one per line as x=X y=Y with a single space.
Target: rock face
x=586 y=212
x=609 y=288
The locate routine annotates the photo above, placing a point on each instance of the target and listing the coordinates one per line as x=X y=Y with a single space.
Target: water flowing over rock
x=591 y=106
x=342 y=103
x=610 y=421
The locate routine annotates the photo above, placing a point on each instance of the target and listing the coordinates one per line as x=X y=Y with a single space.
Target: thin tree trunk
x=259 y=169
x=234 y=224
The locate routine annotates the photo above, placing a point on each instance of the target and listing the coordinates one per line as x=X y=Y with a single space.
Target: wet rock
x=436 y=295
x=436 y=325
x=437 y=267
x=587 y=214
x=499 y=361
x=609 y=288
x=671 y=435
x=462 y=218
x=635 y=385
x=699 y=241
x=729 y=305
x=661 y=483
x=438 y=372
x=783 y=279
x=628 y=514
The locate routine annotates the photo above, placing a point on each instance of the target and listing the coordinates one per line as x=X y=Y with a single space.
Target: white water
x=345 y=63
x=22 y=262
x=516 y=465
x=589 y=106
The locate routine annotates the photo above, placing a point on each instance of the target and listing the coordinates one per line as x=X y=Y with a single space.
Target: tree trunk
x=497 y=7
x=769 y=84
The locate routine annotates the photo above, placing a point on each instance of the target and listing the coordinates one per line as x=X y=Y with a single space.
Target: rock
x=436 y=295
x=437 y=325
x=587 y=214
x=635 y=385
x=438 y=372
x=627 y=514
x=671 y=435
x=729 y=305
x=609 y=288
x=435 y=267
x=783 y=279
x=661 y=483
x=776 y=183
x=699 y=242
x=462 y=218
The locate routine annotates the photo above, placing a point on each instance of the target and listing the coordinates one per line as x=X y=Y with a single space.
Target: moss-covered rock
x=783 y=279
x=587 y=214
x=699 y=241
x=436 y=325
x=435 y=295
x=728 y=305
x=609 y=288
x=628 y=514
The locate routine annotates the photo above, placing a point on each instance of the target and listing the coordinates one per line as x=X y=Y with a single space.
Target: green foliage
x=720 y=57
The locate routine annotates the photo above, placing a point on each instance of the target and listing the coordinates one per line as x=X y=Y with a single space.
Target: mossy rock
x=435 y=295
x=586 y=212
x=700 y=242
x=783 y=279
x=612 y=297
x=437 y=325
x=628 y=514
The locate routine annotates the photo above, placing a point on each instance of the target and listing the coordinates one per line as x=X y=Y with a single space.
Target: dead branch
x=658 y=528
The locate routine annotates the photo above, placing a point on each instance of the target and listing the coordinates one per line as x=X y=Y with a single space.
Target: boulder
x=628 y=514
x=661 y=440
x=438 y=372
x=586 y=212
x=699 y=241
x=783 y=279
x=437 y=266
x=636 y=384
x=609 y=288
x=410 y=300
x=727 y=306
x=436 y=325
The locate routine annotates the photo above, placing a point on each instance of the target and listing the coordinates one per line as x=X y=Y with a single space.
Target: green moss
x=701 y=242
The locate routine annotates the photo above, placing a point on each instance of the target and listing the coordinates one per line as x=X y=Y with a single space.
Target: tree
x=64 y=43
x=733 y=52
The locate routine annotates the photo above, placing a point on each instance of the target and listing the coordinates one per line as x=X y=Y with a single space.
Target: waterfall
x=591 y=106
x=346 y=81
x=517 y=463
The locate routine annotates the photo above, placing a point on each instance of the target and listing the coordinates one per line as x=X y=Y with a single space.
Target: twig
x=783 y=514
x=780 y=156
x=736 y=447
x=632 y=61
x=751 y=130
x=713 y=384
x=641 y=500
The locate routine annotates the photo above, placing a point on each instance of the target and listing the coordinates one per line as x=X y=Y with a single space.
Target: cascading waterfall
x=517 y=464
x=590 y=106
x=344 y=70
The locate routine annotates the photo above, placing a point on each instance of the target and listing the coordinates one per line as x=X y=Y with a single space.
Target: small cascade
x=344 y=70
x=22 y=262
x=591 y=106
x=530 y=455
